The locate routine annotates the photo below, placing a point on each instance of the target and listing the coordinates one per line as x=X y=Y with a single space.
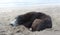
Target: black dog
x=28 y=19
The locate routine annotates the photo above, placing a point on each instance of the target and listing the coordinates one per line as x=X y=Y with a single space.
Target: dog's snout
x=11 y=24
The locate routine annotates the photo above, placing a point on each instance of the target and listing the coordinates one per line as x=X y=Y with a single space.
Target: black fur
x=28 y=18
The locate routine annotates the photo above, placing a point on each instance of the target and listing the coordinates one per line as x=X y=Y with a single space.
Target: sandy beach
x=8 y=14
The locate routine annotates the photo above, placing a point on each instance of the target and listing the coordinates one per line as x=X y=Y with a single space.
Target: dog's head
x=17 y=21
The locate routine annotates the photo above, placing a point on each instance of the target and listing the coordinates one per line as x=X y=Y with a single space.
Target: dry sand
x=8 y=14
